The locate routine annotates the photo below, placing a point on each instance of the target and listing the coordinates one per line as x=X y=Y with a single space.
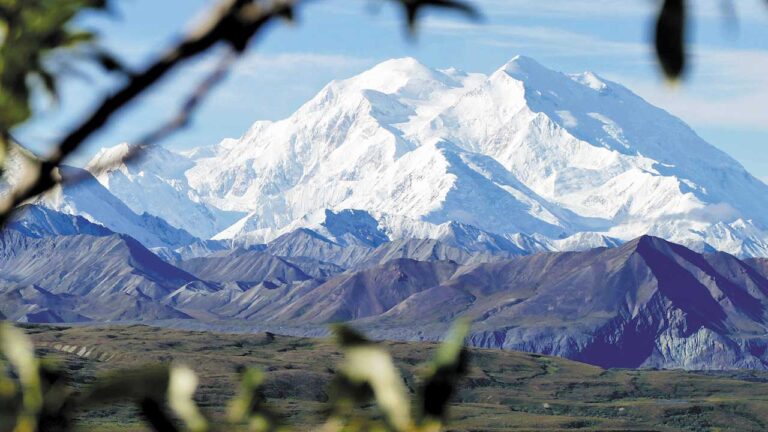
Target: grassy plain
x=503 y=391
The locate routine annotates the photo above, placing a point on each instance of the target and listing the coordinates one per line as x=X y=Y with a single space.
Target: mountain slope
x=83 y=277
x=243 y=266
x=157 y=186
x=87 y=198
x=647 y=303
x=40 y=221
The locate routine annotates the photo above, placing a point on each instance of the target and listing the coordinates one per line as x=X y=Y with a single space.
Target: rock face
x=87 y=198
x=39 y=221
x=244 y=266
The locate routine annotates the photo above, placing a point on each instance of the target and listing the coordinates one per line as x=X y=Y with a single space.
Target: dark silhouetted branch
x=180 y=121
x=234 y=22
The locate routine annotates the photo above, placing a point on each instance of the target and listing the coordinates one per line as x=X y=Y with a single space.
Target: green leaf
x=20 y=353
x=248 y=406
x=31 y=30
x=181 y=390
x=368 y=363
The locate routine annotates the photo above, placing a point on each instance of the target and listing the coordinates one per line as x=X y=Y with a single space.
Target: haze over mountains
x=405 y=197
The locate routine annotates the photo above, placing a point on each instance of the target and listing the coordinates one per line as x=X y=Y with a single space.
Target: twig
x=178 y=122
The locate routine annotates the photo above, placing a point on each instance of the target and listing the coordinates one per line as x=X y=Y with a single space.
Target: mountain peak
x=397 y=68
x=521 y=67
x=402 y=64
x=647 y=241
x=417 y=148
x=107 y=155
x=402 y=75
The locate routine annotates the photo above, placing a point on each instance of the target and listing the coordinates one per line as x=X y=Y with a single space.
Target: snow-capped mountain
x=158 y=186
x=569 y=161
x=89 y=199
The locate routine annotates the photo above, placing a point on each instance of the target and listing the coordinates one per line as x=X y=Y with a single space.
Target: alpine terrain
x=562 y=214
x=575 y=161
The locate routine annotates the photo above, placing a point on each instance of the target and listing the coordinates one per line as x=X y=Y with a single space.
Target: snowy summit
x=572 y=161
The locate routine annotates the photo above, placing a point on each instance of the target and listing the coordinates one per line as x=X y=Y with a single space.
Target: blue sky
x=723 y=98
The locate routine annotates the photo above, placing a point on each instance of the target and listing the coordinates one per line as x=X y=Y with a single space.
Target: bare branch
x=173 y=125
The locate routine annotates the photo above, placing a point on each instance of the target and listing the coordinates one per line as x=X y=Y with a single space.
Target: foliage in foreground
x=163 y=394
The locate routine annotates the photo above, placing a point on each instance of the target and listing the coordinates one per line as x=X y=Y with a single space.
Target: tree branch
x=173 y=125
x=235 y=22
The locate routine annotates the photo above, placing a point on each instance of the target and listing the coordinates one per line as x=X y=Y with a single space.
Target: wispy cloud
x=256 y=64
x=552 y=40
x=727 y=89
x=570 y=8
x=753 y=10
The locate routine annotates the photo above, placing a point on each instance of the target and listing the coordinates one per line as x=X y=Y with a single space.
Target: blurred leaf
x=49 y=83
x=443 y=374
x=136 y=384
x=368 y=363
x=3 y=152
x=150 y=387
x=242 y=405
x=32 y=29
x=413 y=8
x=18 y=349
x=348 y=337
x=153 y=412
x=670 y=38
x=57 y=413
x=181 y=390
x=109 y=62
x=248 y=406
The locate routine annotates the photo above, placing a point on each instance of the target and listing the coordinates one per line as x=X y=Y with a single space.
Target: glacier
x=525 y=156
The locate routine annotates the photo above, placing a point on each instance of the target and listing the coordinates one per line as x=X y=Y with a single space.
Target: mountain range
x=645 y=303
x=562 y=214
x=574 y=161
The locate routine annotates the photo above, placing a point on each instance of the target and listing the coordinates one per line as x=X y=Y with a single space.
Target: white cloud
x=546 y=39
x=568 y=8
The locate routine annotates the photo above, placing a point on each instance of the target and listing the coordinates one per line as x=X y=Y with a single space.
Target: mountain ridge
x=524 y=150
x=645 y=303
